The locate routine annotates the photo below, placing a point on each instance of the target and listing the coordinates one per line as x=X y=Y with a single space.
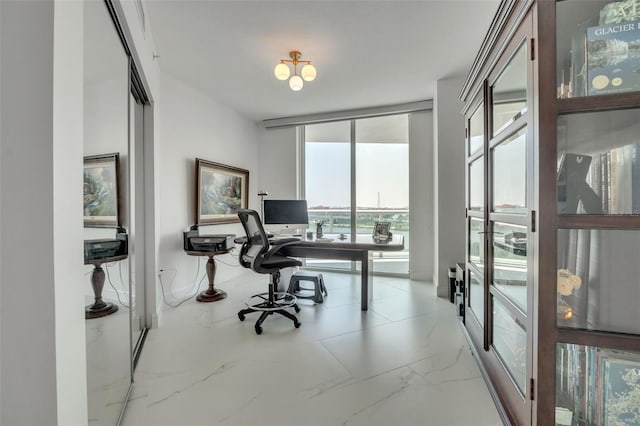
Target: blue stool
x=319 y=290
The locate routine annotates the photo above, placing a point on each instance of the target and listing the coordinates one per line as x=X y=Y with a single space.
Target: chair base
x=274 y=302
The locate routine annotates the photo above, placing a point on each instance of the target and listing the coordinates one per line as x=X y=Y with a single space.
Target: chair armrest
x=278 y=243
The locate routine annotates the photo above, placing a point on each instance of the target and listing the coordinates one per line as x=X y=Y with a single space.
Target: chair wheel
x=258 y=329
x=297 y=309
x=241 y=317
x=297 y=324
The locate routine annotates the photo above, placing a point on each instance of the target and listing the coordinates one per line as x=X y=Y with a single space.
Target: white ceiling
x=367 y=53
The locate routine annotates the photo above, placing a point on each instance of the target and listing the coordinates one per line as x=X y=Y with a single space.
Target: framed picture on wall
x=220 y=191
x=101 y=190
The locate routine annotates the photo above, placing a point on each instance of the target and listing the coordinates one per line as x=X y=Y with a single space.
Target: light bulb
x=282 y=71
x=308 y=72
x=296 y=83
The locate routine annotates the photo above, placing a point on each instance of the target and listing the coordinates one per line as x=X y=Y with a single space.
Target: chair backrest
x=257 y=242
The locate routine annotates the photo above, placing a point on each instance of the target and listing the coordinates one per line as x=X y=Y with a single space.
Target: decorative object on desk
x=342 y=237
x=319 y=233
x=309 y=235
x=381 y=233
x=101 y=190
x=307 y=73
x=613 y=52
x=220 y=191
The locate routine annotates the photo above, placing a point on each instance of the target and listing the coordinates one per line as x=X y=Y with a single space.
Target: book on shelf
x=613 y=58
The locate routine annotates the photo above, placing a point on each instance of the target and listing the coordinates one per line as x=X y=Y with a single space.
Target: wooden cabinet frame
x=508 y=30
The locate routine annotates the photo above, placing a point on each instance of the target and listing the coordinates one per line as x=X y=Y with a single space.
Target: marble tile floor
x=403 y=362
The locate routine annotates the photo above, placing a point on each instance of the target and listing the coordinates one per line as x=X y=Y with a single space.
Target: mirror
x=107 y=216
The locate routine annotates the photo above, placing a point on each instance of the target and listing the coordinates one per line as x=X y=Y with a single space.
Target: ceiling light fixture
x=307 y=73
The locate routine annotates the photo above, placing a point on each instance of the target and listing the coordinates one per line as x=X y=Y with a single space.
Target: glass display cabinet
x=552 y=108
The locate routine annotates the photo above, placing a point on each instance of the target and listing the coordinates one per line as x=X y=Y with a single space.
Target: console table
x=211 y=294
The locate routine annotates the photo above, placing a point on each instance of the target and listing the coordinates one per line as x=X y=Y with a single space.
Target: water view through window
x=373 y=162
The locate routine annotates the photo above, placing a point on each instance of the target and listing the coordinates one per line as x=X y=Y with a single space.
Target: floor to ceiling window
x=356 y=173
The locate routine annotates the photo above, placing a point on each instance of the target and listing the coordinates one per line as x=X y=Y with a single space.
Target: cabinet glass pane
x=599 y=163
x=510 y=342
x=510 y=92
x=476 y=185
x=510 y=262
x=509 y=174
x=598 y=280
x=476 y=130
x=597 y=386
x=476 y=296
x=597 y=48
x=476 y=240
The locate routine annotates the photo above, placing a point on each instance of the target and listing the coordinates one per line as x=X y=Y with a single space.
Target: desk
x=358 y=249
x=211 y=294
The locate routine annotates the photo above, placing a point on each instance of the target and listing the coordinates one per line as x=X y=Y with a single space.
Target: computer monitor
x=285 y=216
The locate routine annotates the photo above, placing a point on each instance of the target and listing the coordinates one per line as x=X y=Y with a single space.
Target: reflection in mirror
x=509 y=174
x=509 y=93
x=106 y=96
x=597 y=280
x=510 y=342
x=599 y=163
x=476 y=184
x=476 y=130
x=476 y=296
x=510 y=262
x=596 y=386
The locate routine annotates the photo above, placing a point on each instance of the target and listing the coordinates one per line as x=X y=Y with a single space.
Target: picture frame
x=381 y=232
x=220 y=191
x=101 y=191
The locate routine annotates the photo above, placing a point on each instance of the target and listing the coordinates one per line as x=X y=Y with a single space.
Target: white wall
x=449 y=235
x=42 y=340
x=421 y=214
x=194 y=125
x=278 y=162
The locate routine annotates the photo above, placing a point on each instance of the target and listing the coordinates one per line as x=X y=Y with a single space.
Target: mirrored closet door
x=107 y=216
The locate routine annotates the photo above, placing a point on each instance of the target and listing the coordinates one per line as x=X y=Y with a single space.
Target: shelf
x=599 y=103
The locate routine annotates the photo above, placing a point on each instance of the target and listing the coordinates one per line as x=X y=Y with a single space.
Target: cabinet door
x=597 y=216
x=476 y=217
x=508 y=237
x=501 y=250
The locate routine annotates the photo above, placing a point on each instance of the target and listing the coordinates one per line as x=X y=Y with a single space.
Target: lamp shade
x=282 y=71
x=296 y=83
x=308 y=72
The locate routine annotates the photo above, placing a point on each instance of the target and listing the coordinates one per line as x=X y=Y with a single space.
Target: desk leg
x=366 y=278
x=99 y=308
x=211 y=294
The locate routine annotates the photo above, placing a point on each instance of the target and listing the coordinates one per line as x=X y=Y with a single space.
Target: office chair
x=260 y=256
